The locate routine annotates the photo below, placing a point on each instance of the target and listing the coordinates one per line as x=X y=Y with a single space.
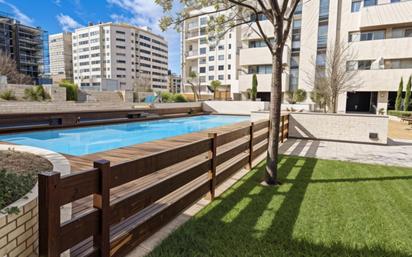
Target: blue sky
x=58 y=15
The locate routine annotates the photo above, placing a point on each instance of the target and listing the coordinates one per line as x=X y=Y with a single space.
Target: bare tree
x=8 y=68
x=229 y=14
x=333 y=75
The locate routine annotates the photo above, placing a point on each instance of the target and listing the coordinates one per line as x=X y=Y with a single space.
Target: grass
x=18 y=174
x=324 y=208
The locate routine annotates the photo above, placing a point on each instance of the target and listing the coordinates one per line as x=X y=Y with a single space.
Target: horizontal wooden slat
x=232 y=135
x=151 y=224
x=129 y=171
x=234 y=165
x=232 y=152
x=260 y=125
x=85 y=249
x=78 y=185
x=260 y=150
x=260 y=137
x=79 y=229
x=134 y=202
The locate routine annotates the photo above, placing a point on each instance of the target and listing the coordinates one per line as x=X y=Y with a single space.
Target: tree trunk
x=274 y=118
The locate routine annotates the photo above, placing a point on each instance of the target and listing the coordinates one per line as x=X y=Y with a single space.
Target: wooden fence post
x=49 y=214
x=252 y=124
x=212 y=172
x=101 y=201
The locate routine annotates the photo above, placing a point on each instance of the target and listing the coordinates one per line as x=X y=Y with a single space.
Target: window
x=229 y=66
x=202 y=70
x=202 y=79
x=211 y=68
x=203 y=21
x=221 y=67
x=364 y=65
x=373 y=35
x=221 y=47
x=369 y=3
x=294 y=60
x=211 y=58
x=221 y=57
x=324 y=8
x=202 y=50
x=221 y=77
x=321 y=59
x=229 y=56
x=202 y=61
x=356 y=5
x=260 y=69
x=297 y=24
x=203 y=41
x=228 y=77
x=212 y=48
x=401 y=32
x=323 y=35
x=293 y=79
x=211 y=77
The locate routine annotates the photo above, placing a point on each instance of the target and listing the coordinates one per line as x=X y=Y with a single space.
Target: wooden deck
x=125 y=154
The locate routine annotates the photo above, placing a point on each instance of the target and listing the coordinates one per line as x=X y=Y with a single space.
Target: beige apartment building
x=60 y=52
x=110 y=56
x=378 y=32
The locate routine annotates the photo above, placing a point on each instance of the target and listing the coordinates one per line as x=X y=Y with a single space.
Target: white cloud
x=57 y=2
x=67 y=23
x=19 y=15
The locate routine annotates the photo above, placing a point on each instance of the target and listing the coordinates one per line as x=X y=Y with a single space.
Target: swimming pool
x=88 y=140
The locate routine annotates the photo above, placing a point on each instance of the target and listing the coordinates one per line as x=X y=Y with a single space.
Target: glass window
x=293 y=79
x=369 y=2
x=211 y=77
x=221 y=67
x=221 y=47
x=364 y=65
x=221 y=77
x=294 y=61
x=356 y=5
x=221 y=57
x=211 y=68
x=203 y=21
x=324 y=8
x=211 y=58
x=323 y=35
x=202 y=50
x=202 y=69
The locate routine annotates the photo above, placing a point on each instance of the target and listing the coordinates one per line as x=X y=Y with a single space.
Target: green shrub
x=36 y=93
x=297 y=96
x=400 y=113
x=253 y=92
x=8 y=95
x=14 y=186
x=398 y=102
x=179 y=98
x=407 y=95
x=166 y=97
x=71 y=90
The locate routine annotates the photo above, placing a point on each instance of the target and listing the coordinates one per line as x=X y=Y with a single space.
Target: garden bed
x=18 y=174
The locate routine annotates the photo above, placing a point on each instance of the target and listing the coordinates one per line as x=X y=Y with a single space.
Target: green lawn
x=324 y=208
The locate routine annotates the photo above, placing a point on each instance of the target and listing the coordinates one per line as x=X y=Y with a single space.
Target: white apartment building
x=209 y=58
x=60 y=52
x=109 y=56
x=379 y=33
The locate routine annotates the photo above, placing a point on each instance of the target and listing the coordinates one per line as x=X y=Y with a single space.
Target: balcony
x=390 y=48
x=258 y=56
x=384 y=15
x=381 y=80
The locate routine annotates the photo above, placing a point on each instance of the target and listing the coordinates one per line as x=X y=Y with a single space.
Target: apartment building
x=26 y=45
x=174 y=83
x=61 y=59
x=378 y=32
x=210 y=59
x=110 y=56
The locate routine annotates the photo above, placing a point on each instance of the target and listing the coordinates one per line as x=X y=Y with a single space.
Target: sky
x=56 y=16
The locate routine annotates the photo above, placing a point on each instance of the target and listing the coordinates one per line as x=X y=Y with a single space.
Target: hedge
x=400 y=113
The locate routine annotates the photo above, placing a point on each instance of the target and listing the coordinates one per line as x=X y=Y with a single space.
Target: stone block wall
x=19 y=232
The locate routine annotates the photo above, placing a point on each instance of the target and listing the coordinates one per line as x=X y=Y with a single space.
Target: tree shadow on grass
x=253 y=220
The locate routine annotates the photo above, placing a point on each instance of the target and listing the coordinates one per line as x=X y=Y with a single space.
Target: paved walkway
x=396 y=153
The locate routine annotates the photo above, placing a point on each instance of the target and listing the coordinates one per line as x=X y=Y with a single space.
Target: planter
x=19 y=231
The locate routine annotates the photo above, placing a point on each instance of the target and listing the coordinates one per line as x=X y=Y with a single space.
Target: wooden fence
x=116 y=225
x=15 y=122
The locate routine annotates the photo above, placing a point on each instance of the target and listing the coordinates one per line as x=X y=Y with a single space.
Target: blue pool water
x=88 y=140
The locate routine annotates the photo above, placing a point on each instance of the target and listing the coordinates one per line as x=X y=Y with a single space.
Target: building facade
x=209 y=59
x=111 y=56
x=26 y=45
x=377 y=32
x=174 y=83
x=61 y=59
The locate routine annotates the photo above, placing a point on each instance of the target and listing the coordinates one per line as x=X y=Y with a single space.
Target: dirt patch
x=18 y=174
x=400 y=130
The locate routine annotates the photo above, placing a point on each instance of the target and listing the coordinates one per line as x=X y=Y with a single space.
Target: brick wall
x=19 y=232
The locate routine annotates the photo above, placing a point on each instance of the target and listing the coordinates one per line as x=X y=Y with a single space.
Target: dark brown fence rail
x=116 y=225
x=45 y=120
